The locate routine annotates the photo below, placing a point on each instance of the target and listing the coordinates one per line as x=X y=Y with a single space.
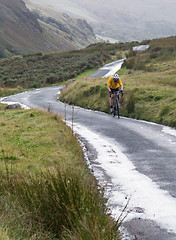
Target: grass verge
x=10 y=91
x=46 y=190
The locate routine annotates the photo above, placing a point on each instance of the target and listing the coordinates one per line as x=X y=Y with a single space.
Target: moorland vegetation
x=40 y=70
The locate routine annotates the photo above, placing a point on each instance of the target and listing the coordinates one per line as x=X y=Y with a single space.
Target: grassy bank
x=46 y=190
x=149 y=80
x=10 y=91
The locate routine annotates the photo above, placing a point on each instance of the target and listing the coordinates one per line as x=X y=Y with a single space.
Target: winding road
x=134 y=160
x=108 y=69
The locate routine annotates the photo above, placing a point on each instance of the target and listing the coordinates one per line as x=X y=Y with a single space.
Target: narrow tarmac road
x=134 y=160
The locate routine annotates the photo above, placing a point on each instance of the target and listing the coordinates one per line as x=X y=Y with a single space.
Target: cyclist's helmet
x=116 y=77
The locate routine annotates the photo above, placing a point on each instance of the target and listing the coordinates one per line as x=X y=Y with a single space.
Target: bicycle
x=116 y=105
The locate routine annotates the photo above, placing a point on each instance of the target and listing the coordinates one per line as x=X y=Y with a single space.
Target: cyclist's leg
x=111 y=100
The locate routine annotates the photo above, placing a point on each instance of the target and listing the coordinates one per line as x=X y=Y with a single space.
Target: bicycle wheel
x=114 y=111
x=117 y=107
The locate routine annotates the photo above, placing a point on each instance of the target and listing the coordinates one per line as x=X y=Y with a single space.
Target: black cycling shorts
x=114 y=90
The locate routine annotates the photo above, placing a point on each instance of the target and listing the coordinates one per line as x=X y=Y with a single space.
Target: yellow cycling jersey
x=113 y=84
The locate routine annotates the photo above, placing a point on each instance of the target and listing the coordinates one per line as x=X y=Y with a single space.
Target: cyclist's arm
x=109 y=89
x=109 y=84
x=121 y=85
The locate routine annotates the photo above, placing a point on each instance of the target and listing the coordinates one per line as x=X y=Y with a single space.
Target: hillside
x=39 y=70
x=22 y=32
x=76 y=31
x=124 y=20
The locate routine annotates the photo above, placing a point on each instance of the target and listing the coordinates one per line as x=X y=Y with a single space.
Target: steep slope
x=124 y=20
x=21 y=32
x=77 y=31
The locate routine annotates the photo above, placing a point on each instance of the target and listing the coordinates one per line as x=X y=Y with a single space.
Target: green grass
x=86 y=73
x=46 y=189
x=87 y=93
x=4 y=91
x=26 y=144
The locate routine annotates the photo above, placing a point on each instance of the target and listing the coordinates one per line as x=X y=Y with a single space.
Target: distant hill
x=123 y=20
x=23 y=31
x=76 y=31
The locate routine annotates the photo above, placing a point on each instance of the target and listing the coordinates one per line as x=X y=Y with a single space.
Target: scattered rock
x=13 y=106
x=139 y=210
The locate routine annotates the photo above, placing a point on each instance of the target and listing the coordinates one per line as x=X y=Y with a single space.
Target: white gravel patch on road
x=146 y=199
x=169 y=130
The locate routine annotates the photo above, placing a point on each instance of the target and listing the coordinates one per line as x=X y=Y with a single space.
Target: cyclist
x=114 y=82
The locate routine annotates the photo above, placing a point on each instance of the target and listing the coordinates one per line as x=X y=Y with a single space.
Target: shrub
x=130 y=105
x=49 y=68
x=173 y=123
x=51 y=80
x=95 y=89
x=158 y=97
x=86 y=93
x=103 y=92
x=145 y=42
x=131 y=54
x=165 y=110
x=129 y=63
x=155 y=49
x=32 y=54
x=150 y=96
x=153 y=55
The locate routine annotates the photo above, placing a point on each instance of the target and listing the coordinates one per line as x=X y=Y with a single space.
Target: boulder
x=13 y=106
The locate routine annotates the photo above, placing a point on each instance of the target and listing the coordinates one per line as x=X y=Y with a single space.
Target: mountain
x=23 y=32
x=77 y=31
x=125 y=20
